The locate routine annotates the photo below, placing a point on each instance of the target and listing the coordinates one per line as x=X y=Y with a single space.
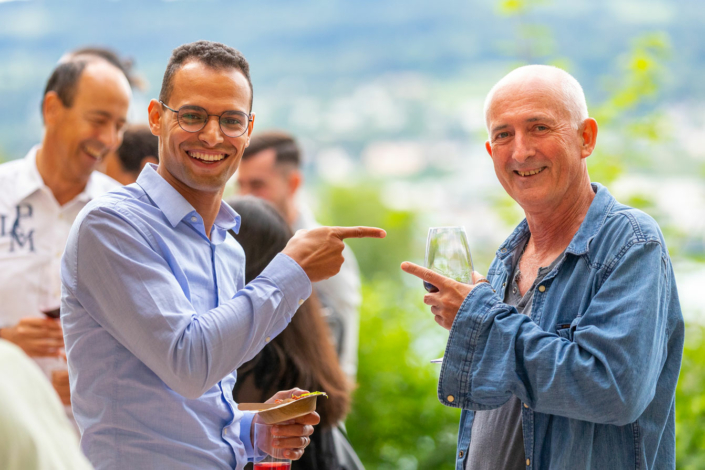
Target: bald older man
x=567 y=356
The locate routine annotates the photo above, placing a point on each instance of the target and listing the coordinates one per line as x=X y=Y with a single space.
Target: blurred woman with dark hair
x=302 y=355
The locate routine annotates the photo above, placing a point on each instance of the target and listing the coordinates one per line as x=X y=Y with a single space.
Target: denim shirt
x=597 y=362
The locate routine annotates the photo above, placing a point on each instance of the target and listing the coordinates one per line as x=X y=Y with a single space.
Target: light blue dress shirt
x=156 y=320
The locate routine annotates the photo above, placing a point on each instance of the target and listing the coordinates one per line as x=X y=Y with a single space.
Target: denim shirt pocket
x=567 y=330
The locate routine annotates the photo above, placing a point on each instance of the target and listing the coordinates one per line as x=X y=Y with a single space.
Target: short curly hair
x=212 y=54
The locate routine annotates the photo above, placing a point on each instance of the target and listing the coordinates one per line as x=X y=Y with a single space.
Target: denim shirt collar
x=176 y=208
x=591 y=225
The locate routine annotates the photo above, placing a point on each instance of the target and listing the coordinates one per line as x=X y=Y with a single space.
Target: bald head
x=551 y=80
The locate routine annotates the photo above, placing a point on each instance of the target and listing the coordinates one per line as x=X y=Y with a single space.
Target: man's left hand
x=450 y=296
x=60 y=381
x=292 y=435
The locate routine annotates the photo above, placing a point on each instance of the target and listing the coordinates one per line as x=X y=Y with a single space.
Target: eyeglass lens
x=193 y=119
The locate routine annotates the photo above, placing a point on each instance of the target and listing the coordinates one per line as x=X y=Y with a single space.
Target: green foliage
x=640 y=80
x=518 y=7
x=396 y=421
x=690 y=403
x=361 y=205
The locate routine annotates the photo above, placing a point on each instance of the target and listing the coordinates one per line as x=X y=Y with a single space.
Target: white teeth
x=93 y=153
x=208 y=157
x=532 y=172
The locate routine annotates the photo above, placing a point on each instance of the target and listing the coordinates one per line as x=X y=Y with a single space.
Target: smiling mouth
x=529 y=172
x=207 y=157
x=94 y=152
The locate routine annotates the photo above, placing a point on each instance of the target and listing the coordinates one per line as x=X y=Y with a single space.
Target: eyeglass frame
x=205 y=123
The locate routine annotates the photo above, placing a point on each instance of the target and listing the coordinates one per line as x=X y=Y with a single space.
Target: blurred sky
x=391 y=92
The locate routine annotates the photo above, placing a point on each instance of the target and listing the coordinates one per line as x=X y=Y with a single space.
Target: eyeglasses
x=195 y=118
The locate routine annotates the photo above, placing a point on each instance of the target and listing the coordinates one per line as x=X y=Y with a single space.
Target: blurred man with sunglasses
x=155 y=311
x=84 y=109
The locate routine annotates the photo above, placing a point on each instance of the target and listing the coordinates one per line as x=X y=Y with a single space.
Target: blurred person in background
x=157 y=317
x=34 y=431
x=568 y=355
x=302 y=355
x=84 y=109
x=139 y=147
x=271 y=170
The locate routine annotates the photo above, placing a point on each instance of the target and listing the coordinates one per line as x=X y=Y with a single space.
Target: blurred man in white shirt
x=84 y=110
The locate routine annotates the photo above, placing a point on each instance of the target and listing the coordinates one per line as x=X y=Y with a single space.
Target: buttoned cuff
x=455 y=379
x=290 y=278
x=245 y=427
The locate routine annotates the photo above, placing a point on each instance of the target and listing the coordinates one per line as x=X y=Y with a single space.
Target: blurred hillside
x=348 y=72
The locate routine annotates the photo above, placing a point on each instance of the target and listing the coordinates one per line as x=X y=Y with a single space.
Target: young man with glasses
x=155 y=310
x=84 y=109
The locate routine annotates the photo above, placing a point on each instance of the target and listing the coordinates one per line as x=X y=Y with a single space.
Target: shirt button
x=451 y=398
x=225 y=431
x=268 y=339
x=301 y=301
x=528 y=462
x=542 y=288
x=504 y=250
x=461 y=454
x=525 y=405
x=193 y=218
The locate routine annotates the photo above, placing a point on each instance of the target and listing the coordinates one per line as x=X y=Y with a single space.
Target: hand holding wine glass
x=449 y=276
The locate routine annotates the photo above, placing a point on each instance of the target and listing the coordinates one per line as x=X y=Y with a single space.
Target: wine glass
x=448 y=254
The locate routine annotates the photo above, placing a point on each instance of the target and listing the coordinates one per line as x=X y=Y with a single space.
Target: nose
x=523 y=147
x=110 y=136
x=211 y=134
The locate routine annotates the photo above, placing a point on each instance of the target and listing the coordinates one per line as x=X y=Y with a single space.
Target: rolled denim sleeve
x=606 y=374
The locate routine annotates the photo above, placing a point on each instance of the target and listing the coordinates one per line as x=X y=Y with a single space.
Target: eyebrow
x=104 y=114
x=499 y=128
x=531 y=119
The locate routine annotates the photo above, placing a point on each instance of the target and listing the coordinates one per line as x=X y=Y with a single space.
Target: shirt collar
x=28 y=179
x=174 y=206
x=593 y=222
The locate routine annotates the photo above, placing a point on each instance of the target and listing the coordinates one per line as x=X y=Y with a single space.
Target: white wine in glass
x=448 y=254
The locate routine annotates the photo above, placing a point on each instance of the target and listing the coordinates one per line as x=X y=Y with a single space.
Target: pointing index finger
x=359 y=232
x=424 y=274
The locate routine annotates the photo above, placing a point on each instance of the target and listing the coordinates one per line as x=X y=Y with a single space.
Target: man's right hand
x=319 y=251
x=38 y=337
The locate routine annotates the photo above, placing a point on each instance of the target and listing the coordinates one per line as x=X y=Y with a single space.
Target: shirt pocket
x=567 y=330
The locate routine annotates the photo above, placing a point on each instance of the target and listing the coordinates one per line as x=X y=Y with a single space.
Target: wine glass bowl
x=448 y=254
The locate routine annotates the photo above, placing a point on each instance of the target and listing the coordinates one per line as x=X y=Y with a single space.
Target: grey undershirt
x=497 y=439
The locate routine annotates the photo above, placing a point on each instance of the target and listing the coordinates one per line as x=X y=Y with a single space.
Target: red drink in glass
x=273 y=466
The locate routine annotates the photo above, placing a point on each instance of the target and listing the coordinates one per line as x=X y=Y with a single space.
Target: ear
x=250 y=128
x=589 y=137
x=295 y=179
x=52 y=107
x=488 y=147
x=155 y=113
